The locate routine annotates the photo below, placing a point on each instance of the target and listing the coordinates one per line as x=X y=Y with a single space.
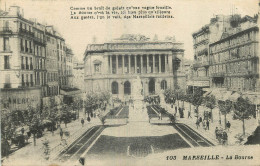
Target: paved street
x=137 y=139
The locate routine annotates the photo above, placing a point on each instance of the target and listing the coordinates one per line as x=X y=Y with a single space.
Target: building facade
x=32 y=55
x=78 y=74
x=201 y=39
x=113 y=66
x=234 y=59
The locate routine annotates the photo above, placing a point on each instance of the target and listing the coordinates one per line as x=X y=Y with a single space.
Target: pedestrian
x=216 y=132
x=224 y=138
x=200 y=119
x=197 y=124
x=204 y=125
x=22 y=131
x=61 y=134
x=228 y=125
x=176 y=109
x=189 y=116
x=207 y=124
x=82 y=122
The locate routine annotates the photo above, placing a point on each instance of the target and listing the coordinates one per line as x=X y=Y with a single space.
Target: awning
x=218 y=94
x=207 y=93
x=234 y=96
x=227 y=95
x=254 y=98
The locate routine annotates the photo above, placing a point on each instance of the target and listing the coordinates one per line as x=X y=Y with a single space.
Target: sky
x=189 y=16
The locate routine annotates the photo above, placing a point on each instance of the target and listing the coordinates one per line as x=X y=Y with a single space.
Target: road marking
x=86 y=151
x=80 y=139
x=155 y=110
x=119 y=112
x=185 y=138
x=84 y=144
x=203 y=139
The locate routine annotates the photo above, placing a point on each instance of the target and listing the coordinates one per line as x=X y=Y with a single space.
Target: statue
x=137 y=89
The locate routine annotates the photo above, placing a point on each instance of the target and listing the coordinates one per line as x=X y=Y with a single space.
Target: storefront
x=20 y=99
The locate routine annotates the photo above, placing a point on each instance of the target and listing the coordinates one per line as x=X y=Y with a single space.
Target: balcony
x=26 y=32
x=39 y=41
x=219 y=74
x=5 y=30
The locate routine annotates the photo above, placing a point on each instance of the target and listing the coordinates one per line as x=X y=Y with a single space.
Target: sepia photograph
x=129 y=83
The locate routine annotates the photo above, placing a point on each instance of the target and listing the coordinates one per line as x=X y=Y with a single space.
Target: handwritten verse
x=120 y=12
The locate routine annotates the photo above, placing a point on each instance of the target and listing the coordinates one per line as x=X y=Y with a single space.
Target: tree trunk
x=211 y=115
x=225 y=115
x=244 y=130
x=34 y=140
x=52 y=130
x=219 y=117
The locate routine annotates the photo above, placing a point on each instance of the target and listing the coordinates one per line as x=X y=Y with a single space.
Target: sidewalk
x=56 y=145
x=235 y=129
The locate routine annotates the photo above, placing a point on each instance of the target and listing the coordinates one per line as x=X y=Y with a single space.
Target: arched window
x=114 y=87
x=127 y=88
x=152 y=86
x=163 y=85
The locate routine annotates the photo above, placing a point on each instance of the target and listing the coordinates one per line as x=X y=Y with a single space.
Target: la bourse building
x=113 y=66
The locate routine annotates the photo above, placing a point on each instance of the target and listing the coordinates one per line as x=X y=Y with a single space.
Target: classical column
x=147 y=63
x=123 y=63
x=111 y=64
x=153 y=63
x=116 y=64
x=135 y=64
x=141 y=56
x=165 y=63
x=129 y=64
x=170 y=63
x=160 y=63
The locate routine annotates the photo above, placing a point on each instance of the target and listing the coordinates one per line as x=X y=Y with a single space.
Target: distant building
x=114 y=65
x=78 y=74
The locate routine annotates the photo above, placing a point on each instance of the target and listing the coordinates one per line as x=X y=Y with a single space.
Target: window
x=21 y=45
x=6 y=44
x=22 y=63
x=31 y=78
x=114 y=88
x=23 y=80
x=163 y=85
x=26 y=46
x=31 y=65
x=7 y=81
x=127 y=88
x=97 y=68
x=6 y=62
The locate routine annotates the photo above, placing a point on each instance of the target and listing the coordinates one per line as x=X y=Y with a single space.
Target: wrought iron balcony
x=5 y=30
x=26 y=32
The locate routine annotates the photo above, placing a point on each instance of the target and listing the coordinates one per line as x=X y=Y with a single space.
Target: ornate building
x=113 y=66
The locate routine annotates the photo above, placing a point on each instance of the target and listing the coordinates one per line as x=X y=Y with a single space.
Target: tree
x=224 y=108
x=243 y=110
x=197 y=98
x=169 y=96
x=7 y=131
x=34 y=121
x=210 y=102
